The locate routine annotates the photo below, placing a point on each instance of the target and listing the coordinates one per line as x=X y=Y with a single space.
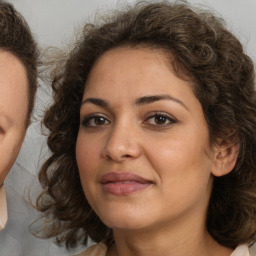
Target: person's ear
x=225 y=155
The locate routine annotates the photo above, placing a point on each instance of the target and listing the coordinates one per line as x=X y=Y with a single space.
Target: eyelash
x=165 y=117
x=96 y=117
x=93 y=117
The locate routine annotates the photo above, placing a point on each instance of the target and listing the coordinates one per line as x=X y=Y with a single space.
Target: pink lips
x=123 y=183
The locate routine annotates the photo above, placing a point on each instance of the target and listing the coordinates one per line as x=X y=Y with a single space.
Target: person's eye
x=95 y=121
x=160 y=120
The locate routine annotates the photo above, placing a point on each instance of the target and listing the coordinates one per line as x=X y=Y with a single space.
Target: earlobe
x=225 y=157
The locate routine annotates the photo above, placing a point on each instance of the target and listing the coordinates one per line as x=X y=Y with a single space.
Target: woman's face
x=143 y=148
x=13 y=110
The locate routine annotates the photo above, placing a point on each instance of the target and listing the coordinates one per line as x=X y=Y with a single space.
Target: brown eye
x=160 y=119
x=94 y=121
x=99 y=120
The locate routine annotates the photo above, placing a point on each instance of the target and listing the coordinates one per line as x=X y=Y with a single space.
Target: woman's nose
x=121 y=144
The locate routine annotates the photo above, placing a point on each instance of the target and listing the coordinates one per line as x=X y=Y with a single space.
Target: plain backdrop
x=53 y=23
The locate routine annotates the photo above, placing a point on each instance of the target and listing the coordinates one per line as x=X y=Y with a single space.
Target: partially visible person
x=153 y=137
x=18 y=86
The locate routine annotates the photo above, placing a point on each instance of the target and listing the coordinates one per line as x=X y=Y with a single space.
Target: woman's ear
x=225 y=155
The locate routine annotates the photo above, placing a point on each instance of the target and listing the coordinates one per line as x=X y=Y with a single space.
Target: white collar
x=241 y=250
x=3 y=208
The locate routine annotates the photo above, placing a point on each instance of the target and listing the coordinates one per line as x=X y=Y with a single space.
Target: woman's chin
x=125 y=222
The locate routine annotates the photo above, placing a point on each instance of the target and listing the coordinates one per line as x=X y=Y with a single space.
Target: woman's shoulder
x=242 y=250
x=99 y=249
x=3 y=207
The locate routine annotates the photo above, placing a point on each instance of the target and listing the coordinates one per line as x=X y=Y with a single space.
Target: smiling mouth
x=122 y=184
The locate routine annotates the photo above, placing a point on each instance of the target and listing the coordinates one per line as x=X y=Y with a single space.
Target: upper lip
x=113 y=177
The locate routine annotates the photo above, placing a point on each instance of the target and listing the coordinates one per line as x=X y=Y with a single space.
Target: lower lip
x=123 y=189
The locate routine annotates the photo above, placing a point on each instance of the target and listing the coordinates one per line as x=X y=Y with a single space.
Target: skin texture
x=13 y=110
x=165 y=141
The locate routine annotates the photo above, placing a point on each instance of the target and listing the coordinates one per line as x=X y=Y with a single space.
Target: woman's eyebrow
x=140 y=101
x=153 y=98
x=96 y=101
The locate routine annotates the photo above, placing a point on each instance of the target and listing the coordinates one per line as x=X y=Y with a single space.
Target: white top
x=101 y=250
x=3 y=208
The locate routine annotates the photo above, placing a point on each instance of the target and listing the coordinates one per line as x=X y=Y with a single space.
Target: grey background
x=53 y=23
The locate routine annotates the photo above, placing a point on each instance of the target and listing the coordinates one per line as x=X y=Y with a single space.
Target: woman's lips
x=123 y=183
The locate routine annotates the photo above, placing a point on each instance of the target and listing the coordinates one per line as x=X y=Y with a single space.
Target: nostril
x=122 y=157
x=108 y=157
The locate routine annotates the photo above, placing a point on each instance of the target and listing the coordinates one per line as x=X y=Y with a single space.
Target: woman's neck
x=163 y=242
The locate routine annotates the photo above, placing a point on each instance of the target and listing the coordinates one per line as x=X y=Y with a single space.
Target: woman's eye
x=94 y=121
x=160 y=120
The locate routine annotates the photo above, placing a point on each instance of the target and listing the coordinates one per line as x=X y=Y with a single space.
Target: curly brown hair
x=204 y=52
x=16 y=38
